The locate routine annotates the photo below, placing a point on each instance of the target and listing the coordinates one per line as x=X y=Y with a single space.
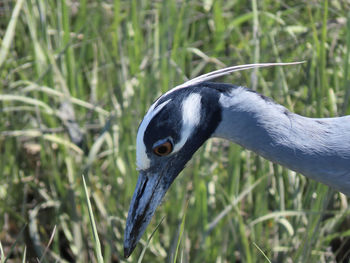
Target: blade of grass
x=97 y=244
x=262 y=252
x=2 y=254
x=54 y=93
x=8 y=97
x=10 y=32
x=69 y=58
x=181 y=232
x=24 y=259
x=48 y=244
x=148 y=241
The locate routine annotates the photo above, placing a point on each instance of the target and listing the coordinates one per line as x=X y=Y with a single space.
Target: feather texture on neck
x=316 y=148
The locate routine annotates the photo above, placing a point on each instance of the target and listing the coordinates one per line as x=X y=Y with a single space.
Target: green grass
x=94 y=67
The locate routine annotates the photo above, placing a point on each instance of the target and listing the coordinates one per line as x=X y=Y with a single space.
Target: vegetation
x=76 y=78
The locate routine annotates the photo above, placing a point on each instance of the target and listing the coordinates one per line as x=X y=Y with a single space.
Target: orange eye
x=163 y=149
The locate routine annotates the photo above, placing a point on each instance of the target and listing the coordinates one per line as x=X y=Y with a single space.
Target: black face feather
x=168 y=122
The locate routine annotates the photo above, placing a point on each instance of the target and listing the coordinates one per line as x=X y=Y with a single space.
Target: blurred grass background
x=76 y=78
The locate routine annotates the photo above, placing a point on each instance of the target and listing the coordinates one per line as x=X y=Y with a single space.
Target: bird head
x=173 y=129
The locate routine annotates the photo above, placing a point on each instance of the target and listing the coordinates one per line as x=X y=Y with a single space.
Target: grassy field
x=76 y=78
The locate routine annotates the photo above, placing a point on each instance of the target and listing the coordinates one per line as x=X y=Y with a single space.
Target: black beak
x=149 y=191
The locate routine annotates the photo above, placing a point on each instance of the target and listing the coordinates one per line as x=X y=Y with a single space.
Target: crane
x=182 y=119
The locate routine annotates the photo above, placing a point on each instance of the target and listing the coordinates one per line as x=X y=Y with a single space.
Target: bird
x=182 y=119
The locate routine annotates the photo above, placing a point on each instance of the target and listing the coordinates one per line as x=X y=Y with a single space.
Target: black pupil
x=162 y=149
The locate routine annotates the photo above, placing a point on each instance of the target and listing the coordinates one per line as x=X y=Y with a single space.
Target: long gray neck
x=316 y=148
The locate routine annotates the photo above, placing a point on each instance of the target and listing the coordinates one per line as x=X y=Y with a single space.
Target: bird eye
x=163 y=149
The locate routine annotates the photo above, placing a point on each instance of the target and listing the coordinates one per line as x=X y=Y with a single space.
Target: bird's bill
x=149 y=191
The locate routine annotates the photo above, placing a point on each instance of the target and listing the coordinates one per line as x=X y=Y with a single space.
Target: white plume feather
x=225 y=71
